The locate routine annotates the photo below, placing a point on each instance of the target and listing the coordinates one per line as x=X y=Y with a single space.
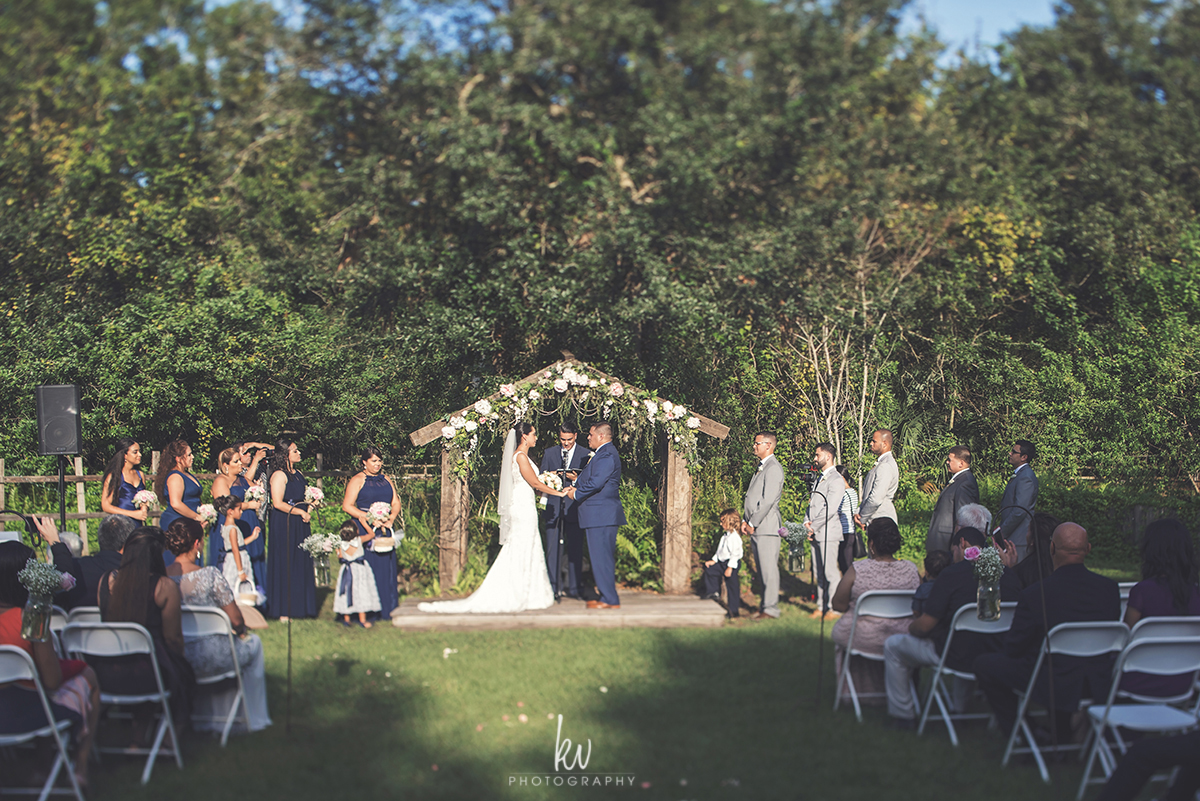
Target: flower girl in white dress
x=518 y=579
x=356 y=591
x=236 y=565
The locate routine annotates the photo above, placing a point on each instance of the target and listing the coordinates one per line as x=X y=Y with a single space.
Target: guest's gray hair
x=73 y=542
x=974 y=515
x=114 y=530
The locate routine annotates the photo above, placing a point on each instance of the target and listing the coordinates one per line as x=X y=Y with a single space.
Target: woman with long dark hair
x=291 y=587
x=364 y=488
x=122 y=480
x=139 y=591
x=1168 y=589
x=176 y=486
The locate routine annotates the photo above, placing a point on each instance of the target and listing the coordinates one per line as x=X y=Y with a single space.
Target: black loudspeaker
x=59 y=427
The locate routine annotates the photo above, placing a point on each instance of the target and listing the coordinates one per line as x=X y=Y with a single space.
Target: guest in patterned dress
x=122 y=480
x=365 y=488
x=292 y=589
x=209 y=655
x=881 y=571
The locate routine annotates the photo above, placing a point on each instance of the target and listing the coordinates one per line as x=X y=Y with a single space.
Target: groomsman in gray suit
x=962 y=491
x=823 y=524
x=762 y=521
x=881 y=483
x=1018 y=503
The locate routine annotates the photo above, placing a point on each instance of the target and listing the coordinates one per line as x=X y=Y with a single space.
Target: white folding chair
x=16 y=665
x=84 y=614
x=889 y=604
x=1124 y=587
x=1085 y=639
x=203 y=621
x=1156 y=656
x=965 y=619
x=122 y=639
x=58 y=619
x=1174 y=628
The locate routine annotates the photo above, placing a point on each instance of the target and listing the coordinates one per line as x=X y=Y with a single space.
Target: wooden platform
x=645 y=609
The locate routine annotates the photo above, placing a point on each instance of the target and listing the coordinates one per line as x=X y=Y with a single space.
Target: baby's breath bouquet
x=988 y=570
x=317 y=545
x=795 y=535
x=42 y=581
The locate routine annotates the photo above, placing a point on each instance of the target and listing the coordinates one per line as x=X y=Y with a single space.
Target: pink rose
x=616 y=390
x=508 y=390
x=68 y=582
x=972 y=553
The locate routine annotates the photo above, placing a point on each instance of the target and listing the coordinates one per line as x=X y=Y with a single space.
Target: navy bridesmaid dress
x=286 y=563
x=258 y=548
x=383 y=565
x=126 y=491
x=191 y=498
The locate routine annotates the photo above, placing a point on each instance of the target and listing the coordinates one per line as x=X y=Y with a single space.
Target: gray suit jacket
x=962 y=490
x=879 y=487
x=828 y=490
x=1017 y=506
x=761 y=509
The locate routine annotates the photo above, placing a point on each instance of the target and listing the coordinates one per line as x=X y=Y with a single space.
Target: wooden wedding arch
x=676 y=504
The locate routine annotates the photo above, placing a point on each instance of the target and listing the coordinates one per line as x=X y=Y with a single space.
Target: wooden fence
x=412 y=472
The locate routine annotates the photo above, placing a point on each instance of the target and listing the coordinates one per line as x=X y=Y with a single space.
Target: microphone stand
x=823 y=585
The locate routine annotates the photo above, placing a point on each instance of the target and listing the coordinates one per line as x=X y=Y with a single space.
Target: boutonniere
x=591 y=454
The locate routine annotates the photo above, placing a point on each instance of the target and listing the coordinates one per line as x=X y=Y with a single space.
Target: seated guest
x=1072 y=593
x=140 y=592
x=1037 y=565
x=881 y=570
x=935 y=563
x=927 y=633
x=114 y=531
x=209 y=655
x=1167 y=589
x=1151 y=755
x=973 y=515
x=71 y=686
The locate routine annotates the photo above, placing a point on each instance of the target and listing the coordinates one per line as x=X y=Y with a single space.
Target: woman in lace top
x=209 y=655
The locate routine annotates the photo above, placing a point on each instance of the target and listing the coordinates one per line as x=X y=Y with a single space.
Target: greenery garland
x=560 y=389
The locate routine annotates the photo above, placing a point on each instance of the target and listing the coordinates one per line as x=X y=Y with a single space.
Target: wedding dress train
x=518 y=580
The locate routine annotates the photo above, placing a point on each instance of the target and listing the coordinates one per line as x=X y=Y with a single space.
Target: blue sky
x=964 y=23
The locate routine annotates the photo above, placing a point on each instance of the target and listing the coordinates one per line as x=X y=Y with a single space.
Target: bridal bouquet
x=314 y=497
x=551 y=480
x=144 y=498
x=318 y=545
x=208 y=514
x=378 y=513
x=255 y=493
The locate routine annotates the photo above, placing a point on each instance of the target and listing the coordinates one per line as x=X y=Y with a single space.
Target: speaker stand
x=62 y=492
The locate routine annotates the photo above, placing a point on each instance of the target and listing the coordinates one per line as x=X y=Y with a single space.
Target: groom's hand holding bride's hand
x=569 y=492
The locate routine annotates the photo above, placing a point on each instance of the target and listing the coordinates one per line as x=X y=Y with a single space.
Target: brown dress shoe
x=762 y=616
x=602 y=605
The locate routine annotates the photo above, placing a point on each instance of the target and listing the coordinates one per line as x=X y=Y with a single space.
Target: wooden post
x=81 y=500
x=154 y=459
x=1 y=490
x=452 y=526
x=320 y=480
x=677 y=526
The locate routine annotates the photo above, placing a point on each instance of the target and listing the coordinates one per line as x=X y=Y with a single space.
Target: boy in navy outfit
x=725 y=563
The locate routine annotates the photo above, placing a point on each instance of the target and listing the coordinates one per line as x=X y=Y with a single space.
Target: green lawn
x=698 y=714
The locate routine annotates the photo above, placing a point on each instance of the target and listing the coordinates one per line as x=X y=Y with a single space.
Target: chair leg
x=928 y=703
x=1097 y=738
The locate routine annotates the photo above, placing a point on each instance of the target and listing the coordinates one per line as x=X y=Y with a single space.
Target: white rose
x=651 y=409
x=458 y=421
x=561 y=385
x=593 y=383
x=681 y=411
x=447 y=432
x=693 y=422
x=534 y=394
x=668 y=406
x=483 y=407
x=471 y=426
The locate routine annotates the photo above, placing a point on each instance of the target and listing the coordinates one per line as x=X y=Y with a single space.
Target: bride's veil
x=504 y=504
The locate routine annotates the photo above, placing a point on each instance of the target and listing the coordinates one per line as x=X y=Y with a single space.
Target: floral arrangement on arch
x=567 y=387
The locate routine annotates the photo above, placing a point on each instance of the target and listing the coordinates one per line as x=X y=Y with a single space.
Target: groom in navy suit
x=596 y=495
x=564 y=512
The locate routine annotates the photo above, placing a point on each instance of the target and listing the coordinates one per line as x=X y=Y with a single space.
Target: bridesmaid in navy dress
x=365 y=488
x=177 y=487
x=122 y=480
x=251 y=454
x=292 y=591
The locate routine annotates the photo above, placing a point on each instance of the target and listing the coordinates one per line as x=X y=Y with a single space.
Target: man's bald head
x=1069 y=545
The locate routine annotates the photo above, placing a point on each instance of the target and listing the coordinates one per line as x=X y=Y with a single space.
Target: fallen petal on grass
x=447 y=651
x=520 y=703
x=389 y=675
x=603 y=689
x=504 y=717
x=479 y=727
x=523 y=718
x=549 y=716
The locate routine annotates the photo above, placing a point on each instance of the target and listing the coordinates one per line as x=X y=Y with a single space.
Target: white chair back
x=201 y=621
x=1160 y=656
x=967 y=619
x=1160 y=627
x=84 y=614
x=15 y=665
x=1093 y=638
x=107 y=639
x=885 y=603
x=58 y=618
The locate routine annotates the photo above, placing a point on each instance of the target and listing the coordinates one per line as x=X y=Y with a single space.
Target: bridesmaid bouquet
x=208 y=514
x=255 y=493
x=314 y=497
x=144 y=498
x=378 y=513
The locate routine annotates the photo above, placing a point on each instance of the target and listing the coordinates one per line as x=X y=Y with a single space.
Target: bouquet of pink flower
x=255 y=493
x=314 y=497
x=145 y=498
x=378 y=513
x=208 y=514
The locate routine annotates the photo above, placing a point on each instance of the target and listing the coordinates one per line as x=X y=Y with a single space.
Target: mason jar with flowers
x=988 y=570
x=42 y=581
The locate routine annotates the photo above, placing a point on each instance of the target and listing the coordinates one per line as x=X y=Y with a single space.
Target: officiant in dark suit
x=563 y=512
x=959 y=492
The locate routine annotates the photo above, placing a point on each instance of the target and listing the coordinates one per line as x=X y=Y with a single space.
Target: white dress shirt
x=729 y=549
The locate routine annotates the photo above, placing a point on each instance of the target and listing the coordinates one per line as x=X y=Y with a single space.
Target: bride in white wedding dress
x=518 y=579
